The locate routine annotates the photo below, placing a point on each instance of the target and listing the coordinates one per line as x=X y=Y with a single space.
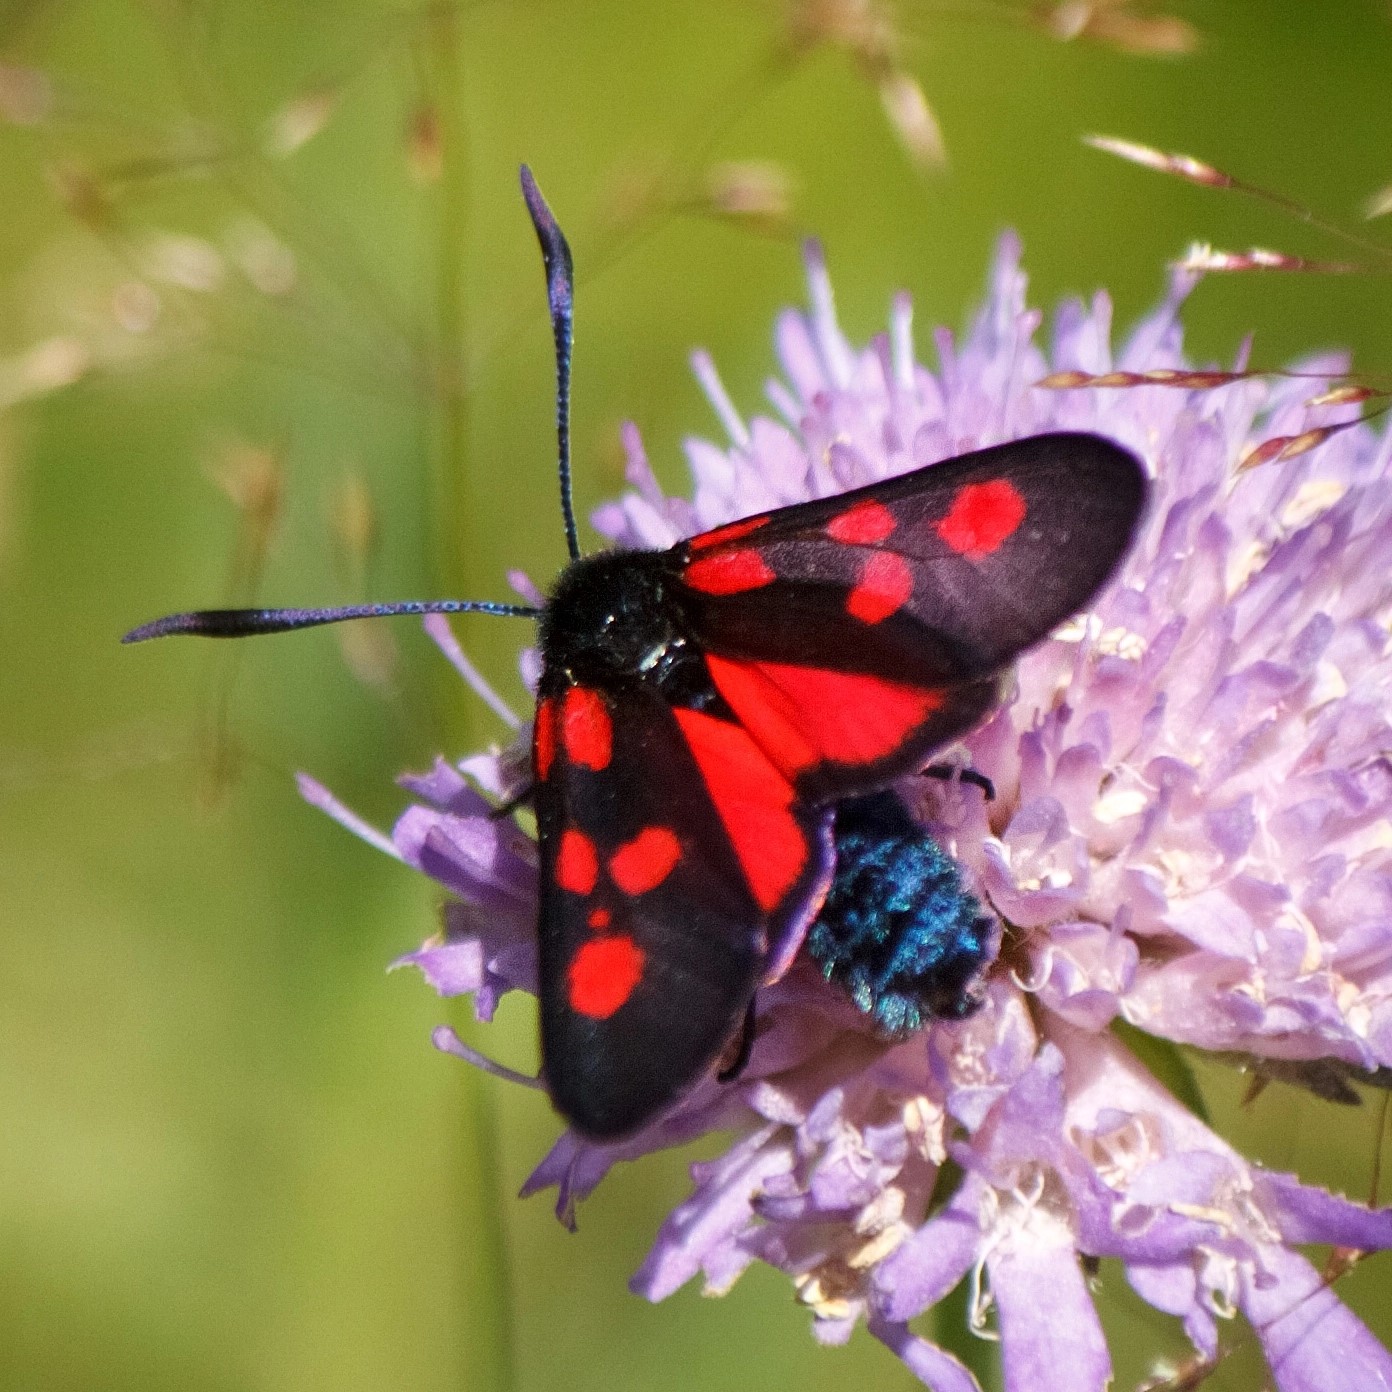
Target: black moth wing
x=855 y=635
x=656 y=925
x=998 y=547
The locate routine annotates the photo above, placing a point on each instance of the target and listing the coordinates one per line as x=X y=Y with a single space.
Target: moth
x=702 y=712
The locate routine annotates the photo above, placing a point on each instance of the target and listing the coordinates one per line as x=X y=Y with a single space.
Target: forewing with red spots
x=855 y=635
x=677 y=872
x=938 y=577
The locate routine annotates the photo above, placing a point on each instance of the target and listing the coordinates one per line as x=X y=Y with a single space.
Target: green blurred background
x=272 y=328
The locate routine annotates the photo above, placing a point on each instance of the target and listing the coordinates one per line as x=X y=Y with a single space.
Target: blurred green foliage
x=272 y=327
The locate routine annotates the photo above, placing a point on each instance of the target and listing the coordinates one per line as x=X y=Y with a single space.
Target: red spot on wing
x=730 y=532
x=544 y=739
x=602 y=975
x=982 y=516
x=753 y=801
x=729 y=572
x=862 y=525
x=885 y=584
x=586 y=730
x=643 y=863
x=803 y=716
x=577 y=865
x=599 y=918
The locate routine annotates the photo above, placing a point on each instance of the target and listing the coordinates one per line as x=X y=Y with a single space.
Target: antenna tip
x=542 y=218
x=549 y=234
x=210 y=623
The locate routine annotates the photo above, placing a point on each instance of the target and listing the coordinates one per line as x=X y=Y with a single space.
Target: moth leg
x=743 y=1049
x=518 y=799
x=947 y=772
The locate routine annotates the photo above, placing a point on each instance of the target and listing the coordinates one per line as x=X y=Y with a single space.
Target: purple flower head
x=1190 y=833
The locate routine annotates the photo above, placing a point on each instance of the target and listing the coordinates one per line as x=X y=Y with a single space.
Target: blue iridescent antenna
x=560 y=295
x=243 y=623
